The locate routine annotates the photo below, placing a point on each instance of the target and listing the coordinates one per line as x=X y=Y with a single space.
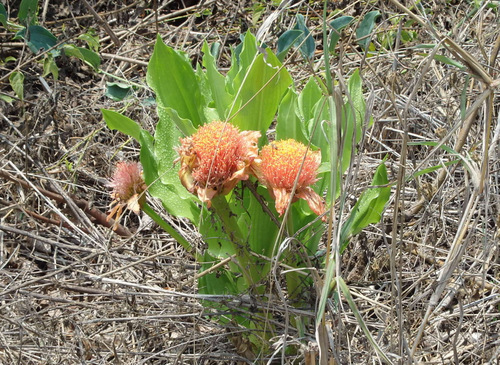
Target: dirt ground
x=74 y=291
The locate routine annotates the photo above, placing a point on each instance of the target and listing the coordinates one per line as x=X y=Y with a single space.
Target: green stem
x=169 y=229
x=243 y=256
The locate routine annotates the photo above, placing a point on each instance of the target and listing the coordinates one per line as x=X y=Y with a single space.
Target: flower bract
x=128 y=189
x=278 y=167
x=215 y=158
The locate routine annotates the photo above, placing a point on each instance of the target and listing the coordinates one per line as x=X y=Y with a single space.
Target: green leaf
x=365 y=28
x=37 y=37
x=308 y=99
x=168 y=194
x=246 y=57
x=16 y=80
x=353 y=119
x=89 y=57
x=307 y=47
x=369 y=208
x=286 y=41
x=28 y=10
x=216 y=83
x=262 y=231
x=118 y=91
x=219 y=282
x=172 y=78
x=3 y=15
x=303 y=216
x=117 y=121
x=218 y=243
x=434 y=168
x=259 y=93
x=337 y=25
x=209 y=110
x=177 y=200
x=6 y=98
x=347 y=293
x=50 y=66
x=449 y=61
x=288 y=123
x=91 y=39
x=8 y=59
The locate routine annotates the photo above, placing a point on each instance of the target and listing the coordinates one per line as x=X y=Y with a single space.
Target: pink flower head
x=278 y=167
x=128 y=189
x=215 y=158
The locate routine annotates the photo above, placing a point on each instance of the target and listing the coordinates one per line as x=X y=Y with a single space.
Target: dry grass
x=426 y=279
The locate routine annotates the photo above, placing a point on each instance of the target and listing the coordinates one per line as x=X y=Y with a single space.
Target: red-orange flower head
x=279 y=165
x=215 y=158
x=128 y=189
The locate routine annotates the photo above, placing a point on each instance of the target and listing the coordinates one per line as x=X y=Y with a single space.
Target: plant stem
x=250 y=274
x=169 y=229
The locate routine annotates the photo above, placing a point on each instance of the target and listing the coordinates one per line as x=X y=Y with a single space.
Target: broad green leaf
x=307 y=47
x=89 y=57
x=3 y=15
x=177 y=200
x=117 y=121
x=6 y=98
x=247 y=55
x=172 y=78
x=167 y=193
x=183 y=127
x=262 y=231
x=50 y=66
x=37 y=37
x=28 y=10
x=337 y=25
x=214 y=235
x=219 y=282
x=365 y=28
x=259 y=93
x=288 y=123
x=369 y=208
x=209 y=109
x=216 y=82
x=91 y=39
x=8 y=59
x=308 y=98
x=303 y=216
x=286 y=41
x=16 y=80
x=118 y=91
x=354 y=113
x=234 y=69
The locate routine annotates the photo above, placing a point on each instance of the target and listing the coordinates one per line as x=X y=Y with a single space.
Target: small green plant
x=203 y=163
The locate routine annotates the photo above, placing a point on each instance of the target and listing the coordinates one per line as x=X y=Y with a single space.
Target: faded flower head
x=279 y=165
x=215 y=158
x=128 y=188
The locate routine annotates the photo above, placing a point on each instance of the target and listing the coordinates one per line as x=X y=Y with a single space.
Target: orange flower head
x=128 y=189
x=278 y=167
x=215 y=158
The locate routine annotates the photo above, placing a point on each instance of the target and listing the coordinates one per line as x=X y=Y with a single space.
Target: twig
x=124 y=59
x=105 y=25
x=99 y=217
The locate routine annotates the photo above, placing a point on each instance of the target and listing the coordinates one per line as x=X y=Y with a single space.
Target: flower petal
x=314 y=201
